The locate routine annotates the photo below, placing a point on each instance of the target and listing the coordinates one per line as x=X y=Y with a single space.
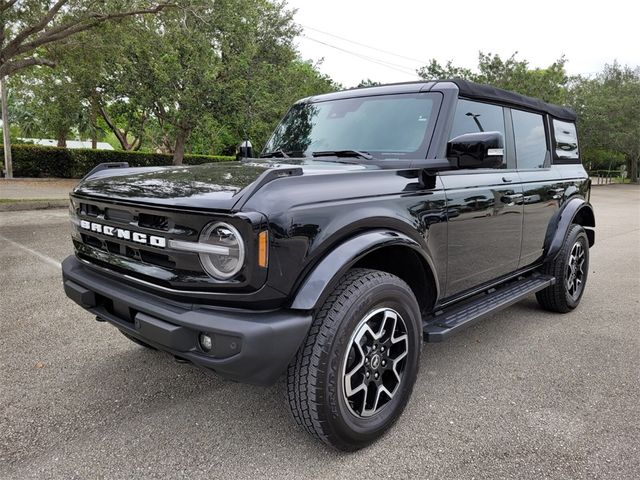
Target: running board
x=438 y=327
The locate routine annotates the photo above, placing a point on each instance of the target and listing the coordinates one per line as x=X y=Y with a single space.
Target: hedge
x=39 y=161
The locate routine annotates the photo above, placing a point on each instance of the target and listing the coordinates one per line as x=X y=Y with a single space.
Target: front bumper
x=251 y=347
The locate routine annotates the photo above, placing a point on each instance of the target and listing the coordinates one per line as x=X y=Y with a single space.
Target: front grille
x=117 y=215
x=150 y=263
x=91 y=240
x=156 y=222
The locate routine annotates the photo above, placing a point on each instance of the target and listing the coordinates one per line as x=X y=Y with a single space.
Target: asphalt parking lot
x=524 y=394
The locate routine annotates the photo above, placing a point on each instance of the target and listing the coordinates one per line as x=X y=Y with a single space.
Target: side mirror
x=245 y=150
x=476 y=150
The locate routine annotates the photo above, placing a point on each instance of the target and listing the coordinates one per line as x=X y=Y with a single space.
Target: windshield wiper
x=275 y=153
x=343 y=153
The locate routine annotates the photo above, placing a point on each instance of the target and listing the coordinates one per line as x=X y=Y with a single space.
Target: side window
x=474 y=117
x=566 y=139
x=531 y=141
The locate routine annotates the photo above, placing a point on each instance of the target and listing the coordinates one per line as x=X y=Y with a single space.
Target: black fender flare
x=321 y=280
x=575 y=208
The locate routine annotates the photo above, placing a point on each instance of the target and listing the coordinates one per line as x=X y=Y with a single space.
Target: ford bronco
x=376 y=218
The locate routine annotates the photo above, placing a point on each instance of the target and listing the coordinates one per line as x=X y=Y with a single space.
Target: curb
x=35 y=205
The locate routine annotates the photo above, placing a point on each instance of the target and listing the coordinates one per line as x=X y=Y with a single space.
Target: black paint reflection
x=485 y=229
x=172 y=182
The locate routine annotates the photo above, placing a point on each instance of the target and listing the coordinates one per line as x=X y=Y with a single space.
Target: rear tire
x=570 y=268
x=355 y=372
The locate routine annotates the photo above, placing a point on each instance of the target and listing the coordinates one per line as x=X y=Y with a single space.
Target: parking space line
x=44 y=258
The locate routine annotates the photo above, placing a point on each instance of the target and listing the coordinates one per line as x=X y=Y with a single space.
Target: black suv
x=376 y=218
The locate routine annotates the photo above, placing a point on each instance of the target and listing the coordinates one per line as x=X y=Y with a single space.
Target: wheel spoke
x=379 y=391
x=348 y=376
x=401 y=338
x=350 y=392
x=574 y=276
x=370 y=411
x=395 y=365
x=374 y=362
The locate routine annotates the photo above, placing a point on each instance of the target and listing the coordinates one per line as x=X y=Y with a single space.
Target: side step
x=445 y=322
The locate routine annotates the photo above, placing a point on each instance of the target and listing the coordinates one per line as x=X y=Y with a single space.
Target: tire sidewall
x=577 y=234
x=345 y=425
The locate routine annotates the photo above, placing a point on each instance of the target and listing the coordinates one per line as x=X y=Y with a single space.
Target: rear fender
x=576 y=210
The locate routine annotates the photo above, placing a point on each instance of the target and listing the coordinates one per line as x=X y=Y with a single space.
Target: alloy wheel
x=575 y=274
x=374 y=366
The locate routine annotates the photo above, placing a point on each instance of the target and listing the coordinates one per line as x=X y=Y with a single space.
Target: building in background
x=47 y=142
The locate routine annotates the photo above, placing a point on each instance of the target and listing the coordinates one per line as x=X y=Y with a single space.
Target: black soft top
x=466 y=89
x=487 y=92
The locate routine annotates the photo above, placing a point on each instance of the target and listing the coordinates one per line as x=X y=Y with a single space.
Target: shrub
x=39 y=161
x=601 y=159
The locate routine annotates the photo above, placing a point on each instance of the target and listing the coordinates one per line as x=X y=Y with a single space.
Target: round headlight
x=226 y=258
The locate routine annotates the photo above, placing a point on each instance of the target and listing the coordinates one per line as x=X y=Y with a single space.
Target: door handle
x=555 y=192
x=507 y=179
x=511 y=199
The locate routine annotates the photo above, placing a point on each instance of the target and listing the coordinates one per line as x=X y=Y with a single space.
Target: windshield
x=383 y=126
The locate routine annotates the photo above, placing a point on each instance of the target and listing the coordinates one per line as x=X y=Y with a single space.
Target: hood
x=214 y=186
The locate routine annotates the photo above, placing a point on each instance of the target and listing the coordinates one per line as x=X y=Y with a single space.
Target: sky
x=406 y=34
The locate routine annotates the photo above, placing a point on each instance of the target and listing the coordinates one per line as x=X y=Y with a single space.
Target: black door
x=484 y=207
x=543 y=186
x=485 y=227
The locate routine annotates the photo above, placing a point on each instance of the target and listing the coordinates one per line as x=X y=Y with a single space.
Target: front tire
x=355 y=372
x=570 y=268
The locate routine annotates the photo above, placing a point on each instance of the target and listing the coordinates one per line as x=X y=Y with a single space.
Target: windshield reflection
x=384 y=126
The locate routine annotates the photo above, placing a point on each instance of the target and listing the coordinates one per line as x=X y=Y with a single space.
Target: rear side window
x=531 y=141
x=474 y=117
x=566 y=140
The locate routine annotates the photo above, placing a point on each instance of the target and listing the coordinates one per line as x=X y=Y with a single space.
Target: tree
x=198 y=78
x=367 y=82
x=265 y=97
x=28 y=27
x=49 y=104
x=549 y=84
x=608 y=109
x=173 y=69
x=212 y=73
x=91 y=61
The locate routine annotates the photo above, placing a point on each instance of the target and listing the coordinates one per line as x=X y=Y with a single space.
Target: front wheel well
x=407 y=264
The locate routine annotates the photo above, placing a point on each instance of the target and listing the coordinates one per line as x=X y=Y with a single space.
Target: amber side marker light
x=263 y=239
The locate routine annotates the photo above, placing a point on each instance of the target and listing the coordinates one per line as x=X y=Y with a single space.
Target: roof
x=466 y=89
x=487 y=92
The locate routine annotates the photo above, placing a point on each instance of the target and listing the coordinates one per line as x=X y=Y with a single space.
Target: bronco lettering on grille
x=122 y=234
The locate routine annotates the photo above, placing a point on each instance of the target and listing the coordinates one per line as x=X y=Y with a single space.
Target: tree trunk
x=633 y=174
x=8 y=165
x=122 y=138
x=178 y=151
x=62 y=139
x=94 y=121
